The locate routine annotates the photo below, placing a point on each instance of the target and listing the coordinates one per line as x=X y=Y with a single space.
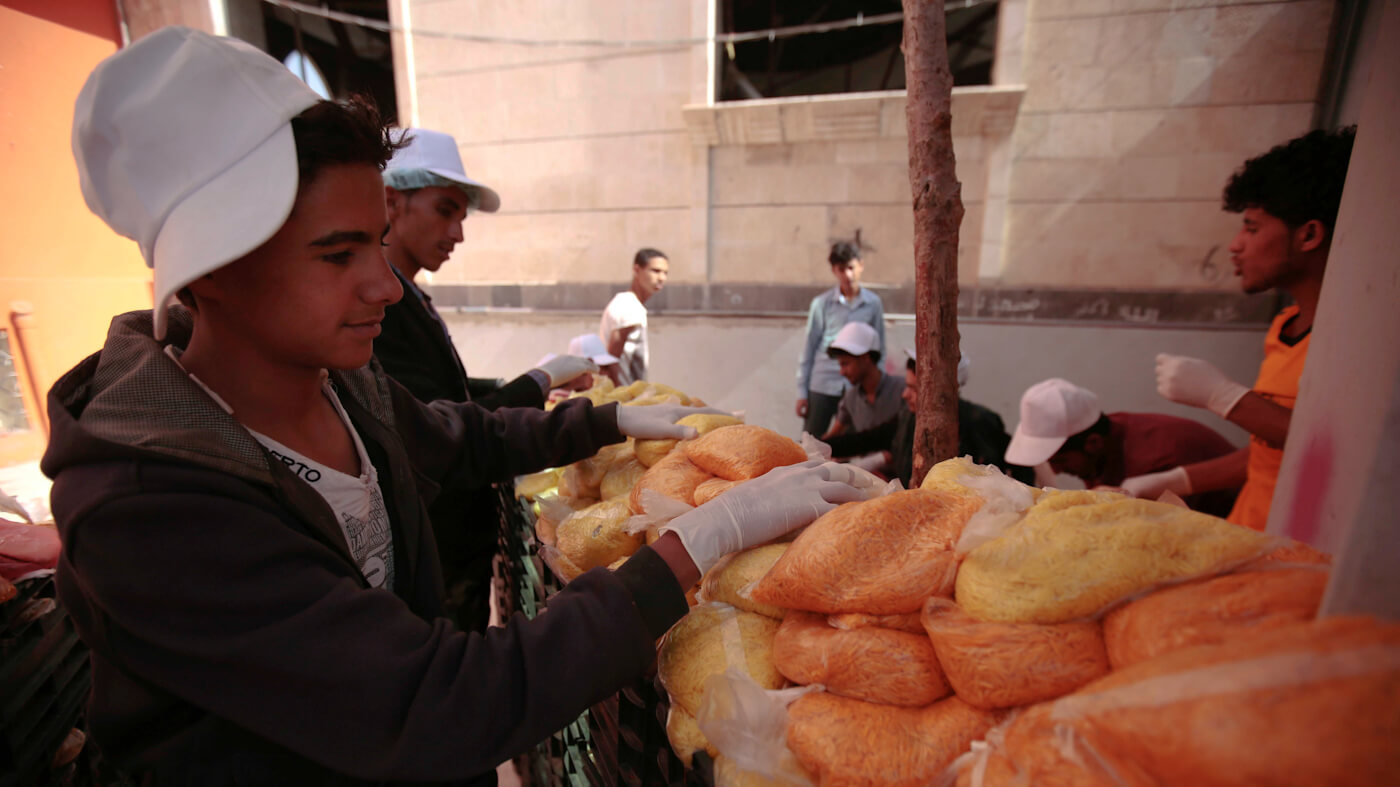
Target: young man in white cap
x=1064 y=425
x=819 y=381
x=240 y=493
x=429 y=196
x=981 y=433
x=873 y=396
x=623 y=327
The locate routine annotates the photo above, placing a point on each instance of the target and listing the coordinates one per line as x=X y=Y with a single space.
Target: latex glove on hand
x=758 y=511
x=1152 y=485
x=658 y=421
x=1197 y=383
x=562 y=369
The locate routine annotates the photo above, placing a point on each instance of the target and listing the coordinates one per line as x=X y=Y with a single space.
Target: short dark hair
x=335 y=132
x=843 y=252
x=1296 y=182
x=1075 y=442
x=342 y=132
x=909 y=365
x=645 y=256
x=836 y=352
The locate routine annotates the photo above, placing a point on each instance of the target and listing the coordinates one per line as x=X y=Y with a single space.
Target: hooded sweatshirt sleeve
x=448 y=440
x=210 y=597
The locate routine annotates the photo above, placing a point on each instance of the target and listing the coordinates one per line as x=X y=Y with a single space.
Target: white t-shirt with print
x=357 y=501
x=624 y=310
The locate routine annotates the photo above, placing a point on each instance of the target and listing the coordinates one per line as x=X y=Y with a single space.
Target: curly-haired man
x=1288 y=198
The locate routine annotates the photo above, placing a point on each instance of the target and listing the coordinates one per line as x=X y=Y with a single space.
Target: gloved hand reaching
x=758 y=511
x=1197 y=383
x=563 y=368
x=658 y=421
x=1152 y=485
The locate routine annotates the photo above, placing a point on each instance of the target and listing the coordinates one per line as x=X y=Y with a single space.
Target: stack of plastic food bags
x=1062 y=638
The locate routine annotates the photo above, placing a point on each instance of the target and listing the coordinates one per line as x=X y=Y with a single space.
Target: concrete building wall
x=585 y=145
x=1136 y=112
x=1100 y=168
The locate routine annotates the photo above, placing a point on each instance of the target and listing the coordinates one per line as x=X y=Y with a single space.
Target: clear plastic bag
x=747 y=724
x=1310 y=704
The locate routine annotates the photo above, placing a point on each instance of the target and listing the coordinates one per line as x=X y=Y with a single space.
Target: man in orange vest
x=1289 y=199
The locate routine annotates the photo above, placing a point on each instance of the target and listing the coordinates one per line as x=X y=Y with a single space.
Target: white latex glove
x=871 y=463
x=563 y=368
x=758 y=511
x=658 y=421
x=1152 y=485
x=1197 y=383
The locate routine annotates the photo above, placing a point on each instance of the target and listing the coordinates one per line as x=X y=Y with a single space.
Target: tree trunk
x=938 y=211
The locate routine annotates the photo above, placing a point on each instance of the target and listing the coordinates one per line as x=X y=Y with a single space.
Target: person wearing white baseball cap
x=873 y=397
x=981 y=433
x=240 y=492
x=1064 y=425
x=819 y=381
x=429 y=196
x=590 y=346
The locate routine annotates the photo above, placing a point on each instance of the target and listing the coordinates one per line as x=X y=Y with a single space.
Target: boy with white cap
x=429 y=195
x=1064 y=425
x=819 y=382
x=873 y=397
x=240 y=493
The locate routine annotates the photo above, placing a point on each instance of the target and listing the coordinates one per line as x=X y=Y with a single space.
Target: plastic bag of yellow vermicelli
x=1065 y=561
x=731 y=577
x=709 y=640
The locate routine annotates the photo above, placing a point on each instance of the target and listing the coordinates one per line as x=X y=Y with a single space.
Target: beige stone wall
x=1135 y=114
x=1103 y=172
x=776 y=208
x=585 y=145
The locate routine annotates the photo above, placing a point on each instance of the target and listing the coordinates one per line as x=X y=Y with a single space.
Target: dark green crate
x=621 y=742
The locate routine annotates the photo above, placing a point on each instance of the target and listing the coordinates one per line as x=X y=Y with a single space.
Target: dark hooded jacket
x=234 y=639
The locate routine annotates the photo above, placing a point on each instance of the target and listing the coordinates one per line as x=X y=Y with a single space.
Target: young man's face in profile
x=314 y=294
x=1266 y=253
x=652 y=276
x=427 y=223
x=854 y=367
x=848 y=275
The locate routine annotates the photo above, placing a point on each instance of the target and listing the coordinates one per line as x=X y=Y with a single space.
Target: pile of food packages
x=976 y=631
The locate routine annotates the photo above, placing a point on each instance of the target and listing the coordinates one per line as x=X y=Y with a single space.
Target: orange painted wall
x=75 y=273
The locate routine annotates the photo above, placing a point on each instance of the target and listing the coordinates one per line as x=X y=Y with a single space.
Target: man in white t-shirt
x=624 y=325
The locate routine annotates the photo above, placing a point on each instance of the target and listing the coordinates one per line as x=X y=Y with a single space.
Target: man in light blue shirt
x=819 y=380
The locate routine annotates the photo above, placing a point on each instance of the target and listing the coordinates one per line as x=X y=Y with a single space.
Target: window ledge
x=978 y=111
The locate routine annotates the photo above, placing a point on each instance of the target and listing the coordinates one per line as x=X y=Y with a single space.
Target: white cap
x=436 y=153
x=856 y=338
x=1051 y=412
x=964 y=365
x=184 y=144
x=590 y=346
